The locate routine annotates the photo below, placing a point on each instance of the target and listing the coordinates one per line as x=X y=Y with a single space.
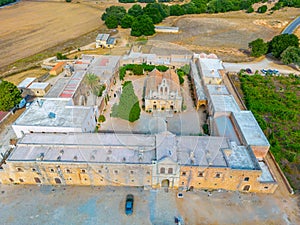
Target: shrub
x=101 y=119
x=262 y=9
x=60 y=56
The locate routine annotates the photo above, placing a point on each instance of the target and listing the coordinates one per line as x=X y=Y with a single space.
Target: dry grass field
x=226 y=34
x=19 y=77
x=30 y=27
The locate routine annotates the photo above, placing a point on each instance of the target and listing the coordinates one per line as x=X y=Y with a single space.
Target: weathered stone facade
x=163 y=91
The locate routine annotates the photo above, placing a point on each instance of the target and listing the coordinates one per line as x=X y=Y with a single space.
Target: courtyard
x=188 y=122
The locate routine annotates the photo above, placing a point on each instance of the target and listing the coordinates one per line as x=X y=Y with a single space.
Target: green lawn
x=275 y=102
x=128 y=107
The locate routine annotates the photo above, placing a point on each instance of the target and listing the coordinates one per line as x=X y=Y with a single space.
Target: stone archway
x=165 y=183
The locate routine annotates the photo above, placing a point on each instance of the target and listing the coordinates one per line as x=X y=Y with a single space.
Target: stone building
x=163 y=92
x=162 y=160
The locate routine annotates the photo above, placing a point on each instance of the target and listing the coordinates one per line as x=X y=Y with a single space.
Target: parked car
x=248 y=70
x=179 y=195
x=129 y=204
x=264 y=71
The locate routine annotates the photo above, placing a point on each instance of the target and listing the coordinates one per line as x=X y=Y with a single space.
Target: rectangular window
x=218 y=175
x=170 y=171
x=37 y=180
x=131 y=171
x=33 y=169
x=200 y=174
x=21 y=180
x=52 y=170
x=20 y=169
x=83 y=171
x=183 y=173
x=116 y=171
x=68 y=170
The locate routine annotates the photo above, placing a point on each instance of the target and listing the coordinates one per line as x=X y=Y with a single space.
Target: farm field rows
x=31 y=27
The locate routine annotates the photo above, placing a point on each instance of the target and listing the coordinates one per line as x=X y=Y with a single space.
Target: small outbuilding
x=39 y=89
x=57 y=69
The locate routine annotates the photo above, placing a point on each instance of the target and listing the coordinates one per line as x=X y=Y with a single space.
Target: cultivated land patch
x=31 y=27
x=226 y=34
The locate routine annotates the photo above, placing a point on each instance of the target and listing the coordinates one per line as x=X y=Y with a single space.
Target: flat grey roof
x=197 y=81
x=266 y=175
x=206 y=150
x=104 y=66
x=224 y=103
x=217 y=89
x=108 y=148
x=167 y=28
x=57 y=88
x=37 y=85
x=240 y=157
x=26 y=82
x=102 y=37
x=210 y=67
x=66 y=115
x=225 y=128
x=111 y=41
x=250 y=129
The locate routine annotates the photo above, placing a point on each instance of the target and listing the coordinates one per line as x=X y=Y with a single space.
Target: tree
x=111 y=22
x=176 y=10
x=291 y=55
x=281 y=42
x=156 y=11
x=250 y=10
x=128 y=107
x=9 y=95
x=93 y=82
x=117 y=11
x=142 y=25
x=258 y=47
x=127 y=20
x=262 y=9
x=60 y=56
x=135 y=11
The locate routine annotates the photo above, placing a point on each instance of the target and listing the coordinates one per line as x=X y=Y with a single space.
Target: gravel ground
x=105 y=205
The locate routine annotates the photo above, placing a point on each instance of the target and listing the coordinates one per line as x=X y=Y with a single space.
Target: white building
x=105 y=41
x=55 y=115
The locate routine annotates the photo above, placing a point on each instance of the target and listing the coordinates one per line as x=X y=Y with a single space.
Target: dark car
x=129 y=204
x=249 y=71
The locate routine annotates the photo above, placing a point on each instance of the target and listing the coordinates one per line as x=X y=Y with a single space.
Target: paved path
x=265 y=63
x=292 y=26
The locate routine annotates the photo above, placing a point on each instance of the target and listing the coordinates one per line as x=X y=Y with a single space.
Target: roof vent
x=51 y=115
x=40 y=157
x=140 y=157
x=124 y=159
x=92 y=157
x=58 y=158
x=75 y=158
x=107 y=159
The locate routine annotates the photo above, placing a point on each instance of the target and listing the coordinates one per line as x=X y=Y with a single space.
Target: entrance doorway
x=165 y=183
